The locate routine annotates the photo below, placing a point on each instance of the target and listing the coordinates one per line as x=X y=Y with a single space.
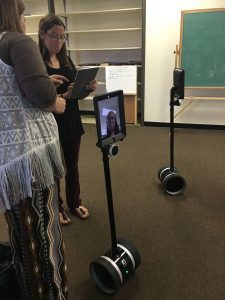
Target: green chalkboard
x=202 y=51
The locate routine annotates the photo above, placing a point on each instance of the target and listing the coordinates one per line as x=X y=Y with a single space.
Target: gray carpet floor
x=181 y=238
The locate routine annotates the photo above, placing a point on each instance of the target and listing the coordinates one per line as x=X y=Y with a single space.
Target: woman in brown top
x=30 y=161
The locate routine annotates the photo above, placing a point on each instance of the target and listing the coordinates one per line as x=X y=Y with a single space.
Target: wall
x=162 y=34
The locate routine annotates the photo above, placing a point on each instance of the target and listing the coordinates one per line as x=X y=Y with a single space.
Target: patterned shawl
x=29 y=143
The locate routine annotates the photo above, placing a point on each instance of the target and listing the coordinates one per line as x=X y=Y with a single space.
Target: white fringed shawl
x=29 y=143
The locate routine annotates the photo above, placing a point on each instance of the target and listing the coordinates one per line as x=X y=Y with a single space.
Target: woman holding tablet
x=54 y=53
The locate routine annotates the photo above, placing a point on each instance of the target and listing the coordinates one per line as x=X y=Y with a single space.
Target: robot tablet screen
x=110 y=117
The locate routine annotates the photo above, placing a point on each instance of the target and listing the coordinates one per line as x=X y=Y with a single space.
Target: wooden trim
x=195 y=11
x=206 y=87
x=204 y=98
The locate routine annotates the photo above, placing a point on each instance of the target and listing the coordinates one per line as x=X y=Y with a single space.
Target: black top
x=69 y=123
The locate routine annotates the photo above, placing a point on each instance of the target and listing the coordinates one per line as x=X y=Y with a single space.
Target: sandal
x=64 y=220
x=82 y=212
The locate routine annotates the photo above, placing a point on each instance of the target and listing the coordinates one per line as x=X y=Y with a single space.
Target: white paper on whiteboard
x=121 y=78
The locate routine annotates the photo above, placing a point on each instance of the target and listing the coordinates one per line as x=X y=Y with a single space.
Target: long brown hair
x=10 y=12
x=45 y=24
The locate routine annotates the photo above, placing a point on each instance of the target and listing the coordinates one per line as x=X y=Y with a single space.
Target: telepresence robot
x=119 y=263
x=172 y=181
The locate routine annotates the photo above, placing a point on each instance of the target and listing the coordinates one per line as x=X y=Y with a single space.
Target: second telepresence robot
x=110 y=270
x=172 y=181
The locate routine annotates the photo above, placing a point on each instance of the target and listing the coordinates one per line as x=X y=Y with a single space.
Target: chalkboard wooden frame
x=202 y=48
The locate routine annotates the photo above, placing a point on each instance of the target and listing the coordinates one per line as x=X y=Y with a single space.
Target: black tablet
x=110 y=117
x=178 y=82
x=82 y=79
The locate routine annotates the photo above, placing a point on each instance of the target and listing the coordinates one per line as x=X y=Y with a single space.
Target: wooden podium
x=130 y=106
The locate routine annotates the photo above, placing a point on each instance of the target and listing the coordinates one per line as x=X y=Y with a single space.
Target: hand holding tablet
x=84 y=77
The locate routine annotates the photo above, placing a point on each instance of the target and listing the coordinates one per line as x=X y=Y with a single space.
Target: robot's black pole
x=172 y=93
x=173 y=101
x=110 y=200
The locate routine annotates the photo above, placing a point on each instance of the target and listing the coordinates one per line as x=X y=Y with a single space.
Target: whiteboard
x=121 y=78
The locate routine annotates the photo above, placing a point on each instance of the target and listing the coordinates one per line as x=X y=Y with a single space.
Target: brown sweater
x=22 y=53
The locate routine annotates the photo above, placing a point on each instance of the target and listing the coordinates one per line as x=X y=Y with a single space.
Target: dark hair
x=10 y=12
x=45 y=24
x=116 y=128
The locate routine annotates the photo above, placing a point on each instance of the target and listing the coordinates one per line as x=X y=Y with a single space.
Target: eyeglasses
x=53 y=37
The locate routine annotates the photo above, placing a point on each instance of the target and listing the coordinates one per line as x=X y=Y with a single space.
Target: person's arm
x=31 y=73
x=66 y=95
x=58 y=79
x=58 y=106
